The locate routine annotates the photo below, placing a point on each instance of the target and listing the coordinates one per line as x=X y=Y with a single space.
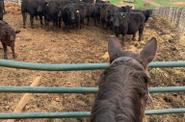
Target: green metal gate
x=75 y=67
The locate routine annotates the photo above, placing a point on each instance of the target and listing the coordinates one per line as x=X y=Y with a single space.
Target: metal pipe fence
x=75 y=67
x=80 y=90
x=36 y=115
x=175 y=15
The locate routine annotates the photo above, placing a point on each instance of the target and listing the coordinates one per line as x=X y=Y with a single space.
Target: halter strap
x=134 y=61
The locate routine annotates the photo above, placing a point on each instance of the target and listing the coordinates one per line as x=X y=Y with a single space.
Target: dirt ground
x=182 y=4
x=87 y=45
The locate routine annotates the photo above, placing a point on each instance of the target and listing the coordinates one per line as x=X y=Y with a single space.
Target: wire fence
x=175 y=15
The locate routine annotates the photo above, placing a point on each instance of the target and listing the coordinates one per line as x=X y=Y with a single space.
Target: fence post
x=181 y=24
x=178 y=18
x=174 y=15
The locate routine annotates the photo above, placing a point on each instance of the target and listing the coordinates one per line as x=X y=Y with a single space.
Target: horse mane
x=120 y=89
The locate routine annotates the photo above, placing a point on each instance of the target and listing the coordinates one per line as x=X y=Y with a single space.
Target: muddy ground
x=87 y=45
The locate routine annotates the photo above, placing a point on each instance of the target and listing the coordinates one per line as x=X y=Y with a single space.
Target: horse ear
x=114 y=47
x=149 y=51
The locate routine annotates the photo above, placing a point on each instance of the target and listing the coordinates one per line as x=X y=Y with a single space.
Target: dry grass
x=180 y=4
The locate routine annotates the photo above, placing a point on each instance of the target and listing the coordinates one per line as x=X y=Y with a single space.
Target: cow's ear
x=114 y=48
x=148 y=52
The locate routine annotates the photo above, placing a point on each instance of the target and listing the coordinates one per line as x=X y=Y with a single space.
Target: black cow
x=101 y=1
x=33 y=8
x=1 y=9
x=86 y=11
x=129 y=23
x=86 y=1
x=97 y=12
x=52 y=11
x=105 y=12
x=4 y=11
x=110 y=10
x=3 y=6
x=94 y=13
x=147 y=13
x=102 y=8
x=7 y=38
x=71 y=15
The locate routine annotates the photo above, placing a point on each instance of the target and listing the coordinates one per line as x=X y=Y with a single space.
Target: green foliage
x=115 y=2
x=140 y=3
x=168 y=3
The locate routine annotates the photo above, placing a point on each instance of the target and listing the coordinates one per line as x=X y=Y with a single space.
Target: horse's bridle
x=137 y=63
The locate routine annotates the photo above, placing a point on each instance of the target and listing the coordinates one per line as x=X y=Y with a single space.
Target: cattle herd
x=74 y=14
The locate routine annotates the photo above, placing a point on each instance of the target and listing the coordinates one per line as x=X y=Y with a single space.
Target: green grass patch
x=168 y=3
x=115 y=2
x=163 y=2
x=139 y=4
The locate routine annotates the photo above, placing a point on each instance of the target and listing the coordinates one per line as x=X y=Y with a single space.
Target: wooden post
x=24 y=100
